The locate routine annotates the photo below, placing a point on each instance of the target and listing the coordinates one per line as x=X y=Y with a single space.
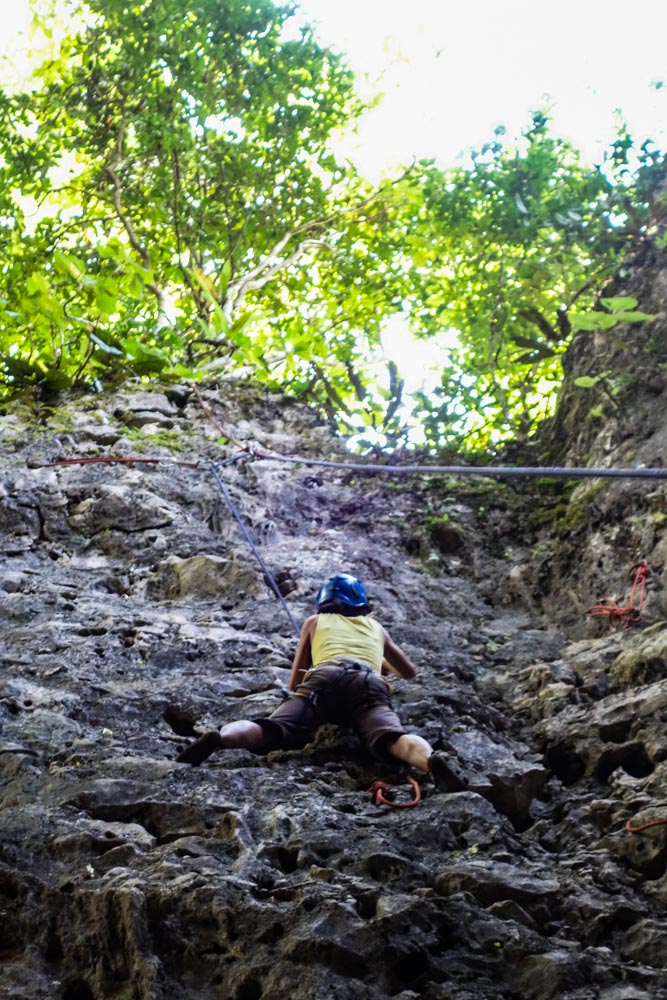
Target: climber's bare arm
x=303 y=657
x=388 y=669
x=396 y=660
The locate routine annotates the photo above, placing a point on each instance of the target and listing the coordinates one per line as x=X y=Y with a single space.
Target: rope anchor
x=629 y=615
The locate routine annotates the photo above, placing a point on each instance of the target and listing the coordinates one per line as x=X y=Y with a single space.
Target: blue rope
x=246 y=533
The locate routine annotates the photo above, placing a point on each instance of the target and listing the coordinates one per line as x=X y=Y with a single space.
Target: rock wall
x=134 y=616
x=584 y=537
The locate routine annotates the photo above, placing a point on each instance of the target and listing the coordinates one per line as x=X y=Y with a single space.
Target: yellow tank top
x=337 y=636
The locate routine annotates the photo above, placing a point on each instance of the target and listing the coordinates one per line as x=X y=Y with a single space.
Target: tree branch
x=110 y=169
x=274 y=261
x=493 y=324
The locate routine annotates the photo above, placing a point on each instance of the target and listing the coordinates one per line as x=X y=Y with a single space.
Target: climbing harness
x=629 y=615
x=378 y=788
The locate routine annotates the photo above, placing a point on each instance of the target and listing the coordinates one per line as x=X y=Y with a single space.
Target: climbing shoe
x=445 y=777
x=201 y=749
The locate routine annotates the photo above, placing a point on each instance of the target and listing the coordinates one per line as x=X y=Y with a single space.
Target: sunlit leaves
x=618 y=309
x=201 y=155
x=520 y=244
x=171 y=203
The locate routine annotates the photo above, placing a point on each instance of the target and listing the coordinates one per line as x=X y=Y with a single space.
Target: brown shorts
x=348 y=695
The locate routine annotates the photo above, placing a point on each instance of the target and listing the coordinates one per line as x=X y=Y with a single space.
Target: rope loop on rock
x=644 y=826
x=378 y=788
x=629 y=615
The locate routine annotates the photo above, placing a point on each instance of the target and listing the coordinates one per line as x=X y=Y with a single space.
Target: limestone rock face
x=584 y=538
x=121 y=508
x=134 y=617
x=202 y=575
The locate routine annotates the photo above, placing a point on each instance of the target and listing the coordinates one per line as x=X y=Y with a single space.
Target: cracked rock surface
x=134 y=617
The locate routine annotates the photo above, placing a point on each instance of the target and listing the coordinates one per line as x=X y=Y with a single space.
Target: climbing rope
x=607 y=607
x=111 y=460
x=378 y=788
x=467 y=470
x=255 y=551
x=629 y=615
x=545 y=471
x=644 y=826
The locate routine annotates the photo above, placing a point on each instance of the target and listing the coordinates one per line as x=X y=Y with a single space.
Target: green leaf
x=587 y=381
x=205 y=284
x=144 y=360
x=106 y=302
x=633 y=317
x=225 y=278
x=56 y=380
x=20 y=369
x=593 y=321
x=619 y=303
x=243 y=321
x=37 y=284
x=181 y=371
x=68 y=263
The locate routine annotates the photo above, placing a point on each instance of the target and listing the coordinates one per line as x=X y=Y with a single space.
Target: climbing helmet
x=345 y=588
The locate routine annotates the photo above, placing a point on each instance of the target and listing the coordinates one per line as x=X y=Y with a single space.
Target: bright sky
x=452 y=71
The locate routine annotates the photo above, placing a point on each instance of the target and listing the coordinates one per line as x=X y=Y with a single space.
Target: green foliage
x=579 y=508
x=510 y=256
x=618 y=309
x=170 y=205
x=183 y=230
x=589 y=381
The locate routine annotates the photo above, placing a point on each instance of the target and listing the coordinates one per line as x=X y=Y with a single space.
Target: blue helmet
x=344 y=588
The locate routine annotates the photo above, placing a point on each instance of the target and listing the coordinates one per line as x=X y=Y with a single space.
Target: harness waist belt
x=345 y=661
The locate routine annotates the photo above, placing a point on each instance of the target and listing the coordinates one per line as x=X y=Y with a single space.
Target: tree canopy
x=172 y=203
x=512 y=253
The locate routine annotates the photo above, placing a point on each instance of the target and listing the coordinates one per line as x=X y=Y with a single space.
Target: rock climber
x=337 y=676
